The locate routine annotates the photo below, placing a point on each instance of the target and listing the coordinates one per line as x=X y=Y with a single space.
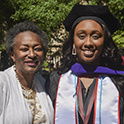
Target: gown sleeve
x=51 y=85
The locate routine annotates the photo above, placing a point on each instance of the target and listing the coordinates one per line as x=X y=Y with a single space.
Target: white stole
x=106 y=110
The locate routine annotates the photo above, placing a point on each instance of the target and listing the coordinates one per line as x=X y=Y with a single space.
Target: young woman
x=88 y=87
x=23 y=97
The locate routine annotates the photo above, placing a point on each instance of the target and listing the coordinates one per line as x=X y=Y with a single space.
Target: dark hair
x=22 y=27
x=110 y=56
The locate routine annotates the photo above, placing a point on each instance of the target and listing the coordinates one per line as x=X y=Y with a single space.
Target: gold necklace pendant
x=29 y=94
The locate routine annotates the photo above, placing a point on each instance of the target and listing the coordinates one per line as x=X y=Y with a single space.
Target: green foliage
x=45 y=64
x=119 y=39
x=5 y=12
x=2 y=47
x=48 y=14
x=117 y=8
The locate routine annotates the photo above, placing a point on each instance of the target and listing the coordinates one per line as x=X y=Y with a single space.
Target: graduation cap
x=99 y=13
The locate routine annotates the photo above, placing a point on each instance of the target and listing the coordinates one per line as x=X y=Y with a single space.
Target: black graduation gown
x=51 y=88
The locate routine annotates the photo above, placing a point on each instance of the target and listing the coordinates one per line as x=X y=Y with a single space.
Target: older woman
x=23 y=97
x=90 y=89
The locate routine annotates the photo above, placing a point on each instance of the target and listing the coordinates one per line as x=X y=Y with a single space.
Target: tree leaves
x=117 y=8
x=48 y=14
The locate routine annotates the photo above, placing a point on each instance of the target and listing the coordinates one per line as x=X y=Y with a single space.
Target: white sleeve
x=4 y=91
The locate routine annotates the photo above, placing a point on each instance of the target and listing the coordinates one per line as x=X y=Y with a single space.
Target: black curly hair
x=110 y=56
x=22 y=27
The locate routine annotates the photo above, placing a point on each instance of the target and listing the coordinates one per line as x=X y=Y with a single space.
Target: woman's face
x=28 y=52
x=88 y=42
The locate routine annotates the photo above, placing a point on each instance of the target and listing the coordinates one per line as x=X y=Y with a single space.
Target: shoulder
x=53 y=78
x=6 y=77
x=3 y=80
x=118 y=80
x=52 y=83
x=6 y=74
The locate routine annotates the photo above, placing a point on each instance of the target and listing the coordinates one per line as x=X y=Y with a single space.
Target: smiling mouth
x=88 y=53
x=32 y=63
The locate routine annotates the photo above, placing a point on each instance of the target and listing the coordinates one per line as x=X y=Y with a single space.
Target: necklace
x=28 y=94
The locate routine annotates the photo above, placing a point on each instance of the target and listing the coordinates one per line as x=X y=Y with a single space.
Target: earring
x=73 y=51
